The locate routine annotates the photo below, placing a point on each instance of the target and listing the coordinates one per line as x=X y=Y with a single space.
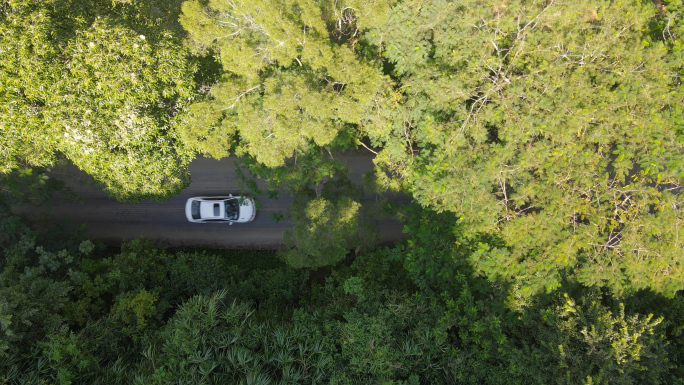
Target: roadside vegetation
x=541 y=143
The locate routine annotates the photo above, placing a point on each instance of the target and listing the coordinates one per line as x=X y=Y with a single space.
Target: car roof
x=212 y=209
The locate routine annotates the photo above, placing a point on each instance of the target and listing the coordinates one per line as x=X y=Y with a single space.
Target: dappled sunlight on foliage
x=541 y=143
x=551 y=125
x=292 y=76
x=102 y=91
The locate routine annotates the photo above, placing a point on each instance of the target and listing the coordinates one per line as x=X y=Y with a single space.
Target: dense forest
x=541 y=144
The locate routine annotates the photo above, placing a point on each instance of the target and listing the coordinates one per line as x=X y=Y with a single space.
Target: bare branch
x=237 y=98
x=367 y=148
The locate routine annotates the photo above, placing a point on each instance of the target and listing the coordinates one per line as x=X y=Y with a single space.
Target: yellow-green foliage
x=321 y=232
x=135 y=310
x=203 y=130
x=24 y=51
x=552 y=125
x=292 y=76
x=104 y=94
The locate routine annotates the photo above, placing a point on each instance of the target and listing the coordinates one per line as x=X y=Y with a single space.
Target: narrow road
x=111 y=222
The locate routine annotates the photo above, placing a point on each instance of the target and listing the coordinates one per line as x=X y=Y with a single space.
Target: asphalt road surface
x=111 y=222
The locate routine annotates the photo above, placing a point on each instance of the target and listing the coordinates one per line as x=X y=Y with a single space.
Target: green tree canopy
x=100 y=83
x=292 y=75
x=554 y=125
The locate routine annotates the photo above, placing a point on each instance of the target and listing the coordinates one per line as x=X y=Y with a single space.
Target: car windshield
x=232 y=209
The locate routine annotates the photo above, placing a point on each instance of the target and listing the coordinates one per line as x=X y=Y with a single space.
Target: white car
x=224 y=209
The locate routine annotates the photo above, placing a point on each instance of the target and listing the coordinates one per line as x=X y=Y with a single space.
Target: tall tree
x=292 y=75
x=100 y=83
x=554 y=125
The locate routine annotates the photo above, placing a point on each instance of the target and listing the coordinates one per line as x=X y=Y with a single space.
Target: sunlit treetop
x=554 y=125
x=292 y=74
x=102 y=85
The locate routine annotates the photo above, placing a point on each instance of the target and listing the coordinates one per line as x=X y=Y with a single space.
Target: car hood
x=247 y=210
